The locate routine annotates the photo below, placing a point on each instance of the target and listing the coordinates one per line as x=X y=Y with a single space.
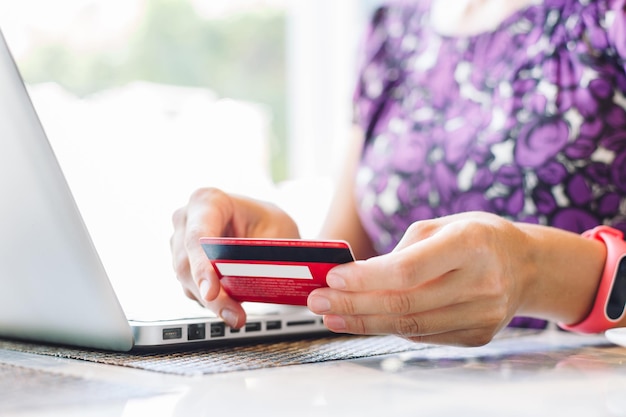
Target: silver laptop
x=54 y=286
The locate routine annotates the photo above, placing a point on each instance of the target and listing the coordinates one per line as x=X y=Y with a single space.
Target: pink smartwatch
x=609 y=306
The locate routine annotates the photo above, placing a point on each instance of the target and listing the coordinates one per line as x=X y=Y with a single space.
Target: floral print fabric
x=527 y=121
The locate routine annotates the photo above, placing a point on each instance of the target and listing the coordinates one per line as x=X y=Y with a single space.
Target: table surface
x=551 y=373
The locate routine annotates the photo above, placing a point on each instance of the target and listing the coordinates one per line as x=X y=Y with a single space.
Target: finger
x=453 y=318
x=405 y=268
x=208 y=214
x=210 y=211
x=223 y=305
x=195 y=287
x=456 y=287
x=452 y=288
x=228 y=310
x=418 y=231
x=424 y=229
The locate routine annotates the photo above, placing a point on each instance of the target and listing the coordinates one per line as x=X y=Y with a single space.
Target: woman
x=489 y=136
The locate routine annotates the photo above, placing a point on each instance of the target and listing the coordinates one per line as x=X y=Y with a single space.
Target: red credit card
x=280 y=271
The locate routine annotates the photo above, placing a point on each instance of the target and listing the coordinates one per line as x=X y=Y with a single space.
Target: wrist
x=564 y=271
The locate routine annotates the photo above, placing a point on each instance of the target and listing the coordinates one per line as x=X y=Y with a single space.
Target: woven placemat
x=229 y=358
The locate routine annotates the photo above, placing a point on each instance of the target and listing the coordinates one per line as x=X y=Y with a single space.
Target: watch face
x=617 y=298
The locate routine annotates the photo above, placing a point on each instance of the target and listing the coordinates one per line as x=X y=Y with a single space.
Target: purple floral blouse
x=527 y=121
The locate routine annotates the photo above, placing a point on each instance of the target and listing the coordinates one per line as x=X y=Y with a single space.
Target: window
x=146 y=100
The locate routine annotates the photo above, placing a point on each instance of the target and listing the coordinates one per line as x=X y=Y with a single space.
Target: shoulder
x=602 y=23
x=383 y=48
x=614 y=20
x=389 y=26
x=594 y=30
x=394 y=17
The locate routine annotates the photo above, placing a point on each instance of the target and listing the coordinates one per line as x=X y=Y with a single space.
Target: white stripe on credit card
x=264 y=270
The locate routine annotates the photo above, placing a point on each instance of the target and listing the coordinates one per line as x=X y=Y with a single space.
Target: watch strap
x=608 y=307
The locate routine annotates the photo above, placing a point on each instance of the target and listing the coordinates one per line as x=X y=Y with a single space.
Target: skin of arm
x=459 y=279
x=342 y=221
x=456 y=279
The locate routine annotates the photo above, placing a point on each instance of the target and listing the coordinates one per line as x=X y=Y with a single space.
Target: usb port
x=196 y=331
x=274 y=325
x=218 y=329
x=173 y=333
x=253 y=327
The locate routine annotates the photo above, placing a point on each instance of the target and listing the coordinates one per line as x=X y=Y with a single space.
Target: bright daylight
x=146 y=100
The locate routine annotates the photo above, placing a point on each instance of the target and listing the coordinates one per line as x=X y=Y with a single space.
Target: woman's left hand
x=453 y=280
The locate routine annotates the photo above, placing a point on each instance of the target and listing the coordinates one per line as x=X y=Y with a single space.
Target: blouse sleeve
x=616 y=29
x=373 y=78
x=606 y=31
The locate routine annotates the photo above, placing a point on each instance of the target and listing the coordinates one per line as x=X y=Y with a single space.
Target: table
x=539 y=374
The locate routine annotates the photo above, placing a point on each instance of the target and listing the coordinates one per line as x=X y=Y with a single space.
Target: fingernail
x=204 y=288
x=335 y=323
x=229 y=317
x=319 y=304
x=335 y=281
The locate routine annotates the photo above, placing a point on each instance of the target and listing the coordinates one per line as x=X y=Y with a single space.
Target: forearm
x=562 y=271
x=342 y=220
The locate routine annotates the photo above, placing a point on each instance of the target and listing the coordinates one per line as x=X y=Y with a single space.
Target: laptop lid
x=54 y=286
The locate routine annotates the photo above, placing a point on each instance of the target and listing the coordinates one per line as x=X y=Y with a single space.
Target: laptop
x=54 y=285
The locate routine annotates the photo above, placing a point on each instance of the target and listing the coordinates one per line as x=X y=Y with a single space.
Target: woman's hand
x=453 y=280
x=211 y=212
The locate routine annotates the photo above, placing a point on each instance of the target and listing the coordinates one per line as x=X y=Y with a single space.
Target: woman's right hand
x=211 y=212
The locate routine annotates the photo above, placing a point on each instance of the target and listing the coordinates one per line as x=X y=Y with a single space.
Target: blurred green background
x=240 y=56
